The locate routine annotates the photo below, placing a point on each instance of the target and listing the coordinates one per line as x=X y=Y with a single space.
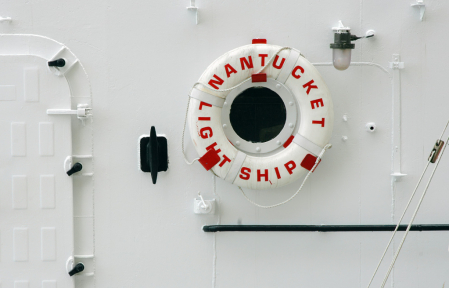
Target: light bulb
x=341 y=58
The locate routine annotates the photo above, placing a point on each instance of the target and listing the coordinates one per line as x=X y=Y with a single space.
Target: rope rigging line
x=432 y=154
x=413 y=218
x=399 y=222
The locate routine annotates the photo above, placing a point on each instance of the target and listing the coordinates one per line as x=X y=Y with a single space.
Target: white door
x=36 y=206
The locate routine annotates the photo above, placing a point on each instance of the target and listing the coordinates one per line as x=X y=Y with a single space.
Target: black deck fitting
x=75 y=168
x=77 y=269
x=153 y=154
x=57 y=63
x=322 y=228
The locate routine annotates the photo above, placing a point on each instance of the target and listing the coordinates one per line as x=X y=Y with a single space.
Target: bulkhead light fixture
x=341 y=55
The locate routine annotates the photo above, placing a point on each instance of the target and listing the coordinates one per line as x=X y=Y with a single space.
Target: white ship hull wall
x=142 y=59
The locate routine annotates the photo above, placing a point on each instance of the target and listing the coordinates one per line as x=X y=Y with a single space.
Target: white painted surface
x=46 y=139
x=7 y=92
x=19 y=192
x=47 y=191
x=48 y=243
x=18 y=139
x=20 y=244
x=142 y=58
x=31 y=84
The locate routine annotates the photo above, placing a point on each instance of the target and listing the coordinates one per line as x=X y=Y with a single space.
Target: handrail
x=322 y=228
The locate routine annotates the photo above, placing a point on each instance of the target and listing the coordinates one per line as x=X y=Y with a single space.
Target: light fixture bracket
x=341 y=28
x=342 y=41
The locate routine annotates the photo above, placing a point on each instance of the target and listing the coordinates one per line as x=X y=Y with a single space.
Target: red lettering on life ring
x=211 y=147
x=245 y=173
x=205 y=135
x=297 y=76
x=276 y=169
x=204 y=104
x=262 y=59
x=219 y=81
x=278 y=66
x=229 y=70
x=309 y=86
x=290 y=165
x=319 y=122
x=225 y=159
x=316 y=103
x=260 y=175
x=248 y=63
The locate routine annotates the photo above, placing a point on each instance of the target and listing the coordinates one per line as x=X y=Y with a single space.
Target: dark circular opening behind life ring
x=258 y=114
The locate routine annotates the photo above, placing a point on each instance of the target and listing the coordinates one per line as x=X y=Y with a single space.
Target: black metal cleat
x=77 y=269
x=75 y=168
x=153 y=154
x=57 y=63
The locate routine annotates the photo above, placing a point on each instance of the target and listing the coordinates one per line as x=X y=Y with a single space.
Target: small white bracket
x=422 y=8
x=201 y=206
x=82 y=112
x=192 y=7
x=397 y=176
x=396 y=64
x=5 y=19
x=341 y=28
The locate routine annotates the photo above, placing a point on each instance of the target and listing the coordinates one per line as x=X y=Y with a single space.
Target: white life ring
x=303 y=137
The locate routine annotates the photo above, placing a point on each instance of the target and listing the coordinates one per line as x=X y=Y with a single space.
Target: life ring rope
x=318 y=159
x=182 y=140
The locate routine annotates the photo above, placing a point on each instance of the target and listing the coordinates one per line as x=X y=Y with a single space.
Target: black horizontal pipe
x=322 y=228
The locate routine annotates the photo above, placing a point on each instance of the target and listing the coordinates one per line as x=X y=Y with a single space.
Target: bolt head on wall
x=370 y=127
